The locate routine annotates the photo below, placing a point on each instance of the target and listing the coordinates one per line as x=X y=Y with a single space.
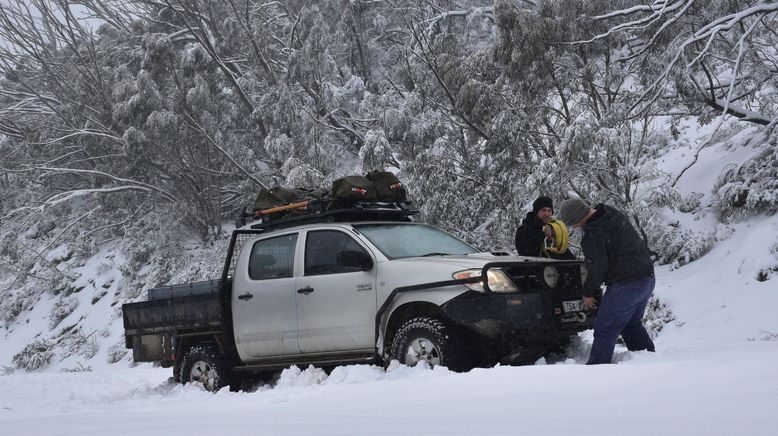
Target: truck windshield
x=412 y=240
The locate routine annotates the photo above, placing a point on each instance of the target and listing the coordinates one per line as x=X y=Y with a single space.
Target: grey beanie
x=572 y=211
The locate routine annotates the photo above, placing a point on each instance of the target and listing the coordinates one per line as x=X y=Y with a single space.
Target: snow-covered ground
x=715 y=373
x=722 y=389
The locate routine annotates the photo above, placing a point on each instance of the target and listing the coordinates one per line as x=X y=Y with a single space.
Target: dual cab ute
x=334 y=289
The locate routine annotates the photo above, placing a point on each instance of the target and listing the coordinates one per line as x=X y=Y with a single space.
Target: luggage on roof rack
x=377 y=196
x=354 y=188
x=330 y=210
x=279 y=196
x=387 y=186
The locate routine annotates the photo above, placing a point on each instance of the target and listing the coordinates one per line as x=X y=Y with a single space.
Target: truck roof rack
x=330 y=210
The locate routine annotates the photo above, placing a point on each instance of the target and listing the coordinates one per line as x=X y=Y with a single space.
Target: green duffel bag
x=308 y=195
x=266 y=199
x=311 y=194
x=387 y=186
x=289 y=196
x=355 y=188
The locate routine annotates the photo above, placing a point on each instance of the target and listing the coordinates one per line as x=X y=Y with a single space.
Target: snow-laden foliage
x=771 y=265
x=63 y=308
x=678 y=247
x=118 y=352
x=34 y=356
x=751 y=187
x=658 y=315
x=75 y=342
x=115 y=265
x=78 y=368
x=164 y=112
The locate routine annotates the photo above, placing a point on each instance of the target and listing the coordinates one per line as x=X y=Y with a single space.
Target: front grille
x=530 y=279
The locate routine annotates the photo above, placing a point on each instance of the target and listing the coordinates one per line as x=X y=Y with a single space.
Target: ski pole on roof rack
x=298 y=205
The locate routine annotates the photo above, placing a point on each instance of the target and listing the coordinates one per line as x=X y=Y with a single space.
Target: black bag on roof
x=388 y=187
x=355 y=188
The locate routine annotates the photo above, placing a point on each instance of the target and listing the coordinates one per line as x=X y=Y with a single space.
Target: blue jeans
x=621 y=313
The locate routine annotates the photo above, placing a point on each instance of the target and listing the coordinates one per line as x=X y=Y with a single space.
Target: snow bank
x=718 y=299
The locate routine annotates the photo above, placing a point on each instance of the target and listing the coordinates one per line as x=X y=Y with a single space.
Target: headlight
x=551 y=276
x=498 y=280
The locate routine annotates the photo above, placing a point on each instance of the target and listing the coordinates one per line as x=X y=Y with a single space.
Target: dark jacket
x=614 y=251
x=529 y=239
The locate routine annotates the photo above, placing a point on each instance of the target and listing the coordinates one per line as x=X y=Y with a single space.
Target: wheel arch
x=184 y=343
x=213 y=370
x=406 y=311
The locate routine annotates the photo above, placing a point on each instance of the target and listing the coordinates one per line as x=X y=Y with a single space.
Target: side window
x=322 y=249
x=273 y=258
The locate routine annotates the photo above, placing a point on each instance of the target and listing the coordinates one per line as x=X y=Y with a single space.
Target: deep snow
x=705 y=390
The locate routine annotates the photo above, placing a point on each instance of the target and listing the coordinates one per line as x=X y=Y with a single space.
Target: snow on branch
x=640 y=23
x=64 y=197
x=672 y=12
x=726 y=103
x=213 y=142
x=658 y=5
x=134 y=183
x=83 y=132
x=487 y=11
x=184 y=35
x=9 y=128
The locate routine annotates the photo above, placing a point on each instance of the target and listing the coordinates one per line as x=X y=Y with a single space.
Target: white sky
x=79 y=11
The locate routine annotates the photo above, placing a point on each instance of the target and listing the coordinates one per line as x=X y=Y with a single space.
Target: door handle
x=305 y=291
x=246 y=296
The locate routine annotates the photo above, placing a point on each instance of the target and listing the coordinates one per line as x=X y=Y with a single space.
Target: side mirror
x=354 y=260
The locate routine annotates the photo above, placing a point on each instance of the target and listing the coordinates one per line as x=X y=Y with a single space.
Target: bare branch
x=208 y=137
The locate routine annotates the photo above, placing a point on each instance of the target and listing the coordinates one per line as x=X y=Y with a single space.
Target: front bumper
x=533 y=318
x=525 y=314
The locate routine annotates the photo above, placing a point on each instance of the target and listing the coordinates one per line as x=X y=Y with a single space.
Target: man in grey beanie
x=617 y=256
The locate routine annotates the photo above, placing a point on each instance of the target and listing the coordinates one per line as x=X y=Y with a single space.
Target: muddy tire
x=206 y=366
x=428 y=340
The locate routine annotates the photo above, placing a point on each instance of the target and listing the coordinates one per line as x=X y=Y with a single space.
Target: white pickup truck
x=335 y=291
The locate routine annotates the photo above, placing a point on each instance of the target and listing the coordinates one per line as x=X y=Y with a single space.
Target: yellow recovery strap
x=561 y=237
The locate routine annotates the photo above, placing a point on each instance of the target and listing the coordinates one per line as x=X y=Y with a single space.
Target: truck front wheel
x=428 y=340
x=205 y=365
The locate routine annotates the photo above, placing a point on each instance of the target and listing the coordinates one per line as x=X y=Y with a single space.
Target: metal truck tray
x=186 y=313
x=185 y=290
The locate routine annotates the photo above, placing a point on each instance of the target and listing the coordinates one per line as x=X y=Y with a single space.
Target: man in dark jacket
x=531 y=234
x=617 y=256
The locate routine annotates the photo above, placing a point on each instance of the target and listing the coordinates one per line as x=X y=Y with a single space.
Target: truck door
x=336 y=295
x=263 y=299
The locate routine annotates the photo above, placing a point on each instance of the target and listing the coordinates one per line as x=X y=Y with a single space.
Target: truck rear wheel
x=205 y=365
x=428 y=340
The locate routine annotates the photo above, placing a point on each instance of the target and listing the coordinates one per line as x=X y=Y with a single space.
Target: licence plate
x=572 y=306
